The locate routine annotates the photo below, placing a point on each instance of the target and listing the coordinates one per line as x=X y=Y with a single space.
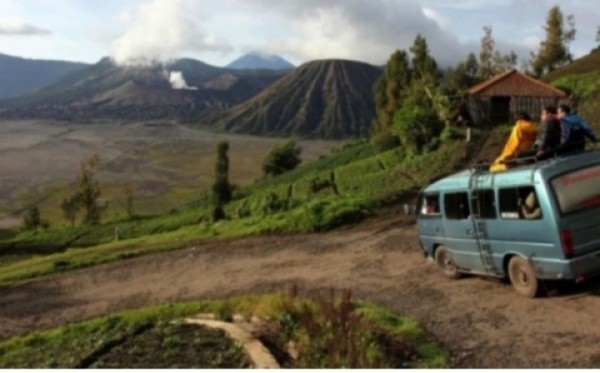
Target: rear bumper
x=579 y=268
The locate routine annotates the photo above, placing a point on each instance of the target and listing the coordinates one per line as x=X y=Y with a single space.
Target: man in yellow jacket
x=522 y=138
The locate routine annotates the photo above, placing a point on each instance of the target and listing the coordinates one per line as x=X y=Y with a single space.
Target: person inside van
x=574 y=131
x=522 y=138
x=549 y=136
x=531 y=209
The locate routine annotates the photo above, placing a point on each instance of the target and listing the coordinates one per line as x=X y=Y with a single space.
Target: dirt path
x=483 y=322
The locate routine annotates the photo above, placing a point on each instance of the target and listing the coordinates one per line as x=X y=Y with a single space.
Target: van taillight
x=566 y=238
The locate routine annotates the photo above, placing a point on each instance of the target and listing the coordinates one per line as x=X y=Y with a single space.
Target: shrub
x=418 y=127
x=384 y=141
x=282 y=159
x=32 y=219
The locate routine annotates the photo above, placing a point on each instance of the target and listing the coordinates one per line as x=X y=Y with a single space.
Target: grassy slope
x=70 y=345
x=582 y=77
x=364 y=181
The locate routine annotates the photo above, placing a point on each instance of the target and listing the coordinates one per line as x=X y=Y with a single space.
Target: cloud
x=161 y=31
x=356 y=29
x=13 y=26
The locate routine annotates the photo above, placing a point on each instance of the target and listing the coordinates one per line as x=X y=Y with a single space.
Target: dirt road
x=484 y=323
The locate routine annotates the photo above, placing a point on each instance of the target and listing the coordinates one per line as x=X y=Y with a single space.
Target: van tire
x=444 y=260
x=523 y=277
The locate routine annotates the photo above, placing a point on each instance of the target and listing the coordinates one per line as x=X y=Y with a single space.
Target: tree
x=424 y=66
x=486 y=55
x=554 y=50
x=89 y=190
x=221 y=188
x=87 y=195
x=389 y=89
x=128 y=200
x=32 y=219
x=70 y=208
x=464 y=75
x=492 y=61
x=282 y=159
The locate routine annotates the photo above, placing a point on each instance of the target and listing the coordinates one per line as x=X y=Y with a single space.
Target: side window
x=430 y=205
x=484 y=204
x=520 y=204
x=457 y=206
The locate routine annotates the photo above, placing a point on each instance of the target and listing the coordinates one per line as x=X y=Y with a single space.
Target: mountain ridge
x=328 y=99
x=19 y=76
x=258 y=61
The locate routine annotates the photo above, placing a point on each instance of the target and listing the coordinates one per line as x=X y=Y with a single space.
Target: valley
x=168 y=165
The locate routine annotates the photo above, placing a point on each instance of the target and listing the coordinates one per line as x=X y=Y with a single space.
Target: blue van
x=528 y=224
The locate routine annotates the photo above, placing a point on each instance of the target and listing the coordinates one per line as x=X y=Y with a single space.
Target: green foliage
x=385 y=140
x=464 y=75
x=330 y=331
x=418 y=128
x=282 y=159
x=221 y=188
x=389 y=89
x=423 y=64
x=87 y=195
x=491 y=61
x=32 y=219
x=554 y=50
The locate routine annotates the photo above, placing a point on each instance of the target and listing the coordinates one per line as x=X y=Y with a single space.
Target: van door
x=460 y=232
x=431 y=227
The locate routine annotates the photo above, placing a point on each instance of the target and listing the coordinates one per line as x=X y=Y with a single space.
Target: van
x=533 y=223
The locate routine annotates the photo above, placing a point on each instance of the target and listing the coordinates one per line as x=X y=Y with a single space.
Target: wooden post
x=469 y=134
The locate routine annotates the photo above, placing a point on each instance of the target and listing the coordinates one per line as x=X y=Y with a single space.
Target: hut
x=499 y=99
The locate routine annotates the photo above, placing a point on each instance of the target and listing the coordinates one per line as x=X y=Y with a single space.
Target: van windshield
x=579 y=190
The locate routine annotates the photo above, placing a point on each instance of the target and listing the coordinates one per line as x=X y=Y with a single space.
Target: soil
x=483 y=323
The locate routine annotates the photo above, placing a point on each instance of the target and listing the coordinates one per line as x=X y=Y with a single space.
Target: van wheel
x=523 y=277
x=443 y=258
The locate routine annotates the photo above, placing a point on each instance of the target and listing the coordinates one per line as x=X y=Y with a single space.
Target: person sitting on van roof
x=522 y=138
x=574 y=131
x=549 y=136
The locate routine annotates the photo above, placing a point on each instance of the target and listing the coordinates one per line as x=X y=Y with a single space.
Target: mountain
x=181 y=90
x=19 y=75
x=330 y=99
x=256 y=61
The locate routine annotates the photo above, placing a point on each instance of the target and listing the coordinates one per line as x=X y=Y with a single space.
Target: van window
x=430 y=206
x=457 y=206
x=484 y=204
x=520 y=204
x=579 y=190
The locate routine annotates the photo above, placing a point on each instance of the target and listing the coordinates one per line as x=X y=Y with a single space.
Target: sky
x=219 y=31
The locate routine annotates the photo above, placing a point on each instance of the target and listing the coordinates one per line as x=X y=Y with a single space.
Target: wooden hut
x=499 y=99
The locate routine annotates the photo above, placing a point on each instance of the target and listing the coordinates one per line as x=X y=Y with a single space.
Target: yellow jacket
x=522 y=138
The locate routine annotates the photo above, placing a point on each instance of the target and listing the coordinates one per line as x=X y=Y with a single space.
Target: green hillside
x=340 y=189
x=582 y=78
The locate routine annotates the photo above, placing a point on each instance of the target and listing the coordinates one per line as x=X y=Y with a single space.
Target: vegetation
x=282 y=159
x=87 y=196
x=288 y=203
x=554 y=50
x=327 y=331
x=491 y=61
x=221 y=188
x=32 y=219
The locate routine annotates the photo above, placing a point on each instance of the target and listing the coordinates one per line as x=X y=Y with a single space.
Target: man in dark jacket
x=550 y=134
x=574 y=131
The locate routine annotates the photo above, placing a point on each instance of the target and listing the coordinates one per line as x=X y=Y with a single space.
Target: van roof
x=524 y=175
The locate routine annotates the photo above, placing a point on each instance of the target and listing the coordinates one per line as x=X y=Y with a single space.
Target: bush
x=32 y=219
x=384 y=141
x=282 y=159
x=418 y=127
